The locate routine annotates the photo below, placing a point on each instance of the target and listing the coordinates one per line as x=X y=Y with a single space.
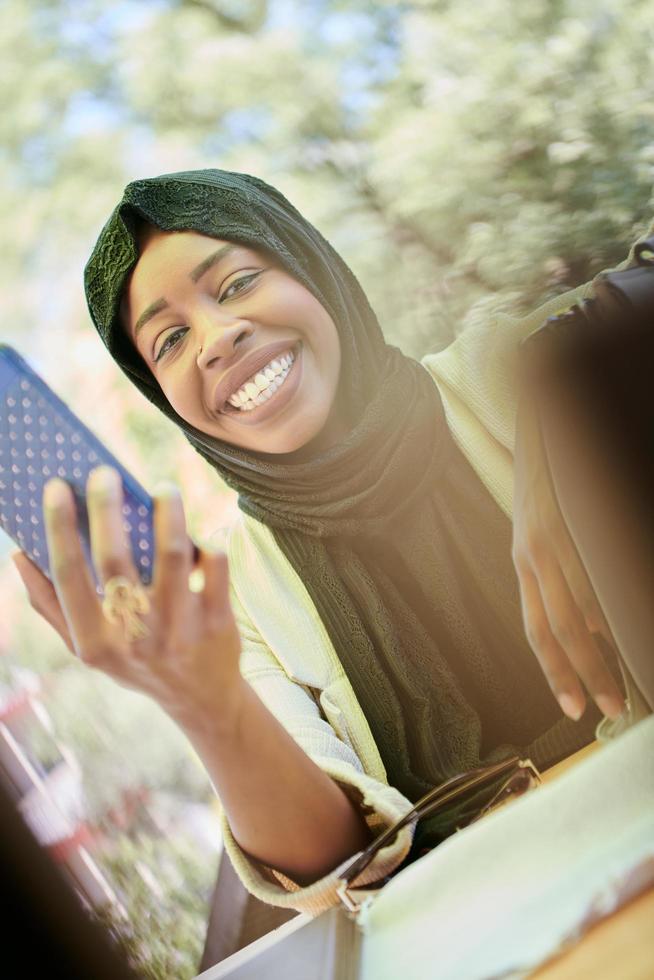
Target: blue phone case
x=40 y=437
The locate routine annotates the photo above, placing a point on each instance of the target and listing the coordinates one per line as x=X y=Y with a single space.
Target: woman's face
x=241 y=350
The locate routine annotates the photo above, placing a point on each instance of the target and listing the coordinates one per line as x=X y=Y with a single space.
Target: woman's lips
x=277 y=401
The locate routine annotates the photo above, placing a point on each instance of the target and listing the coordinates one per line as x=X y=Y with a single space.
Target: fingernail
x=196 y=580
x=104 y=479
x=55 y=493
x=609 y=705
x=570 y=706
x=166 y=488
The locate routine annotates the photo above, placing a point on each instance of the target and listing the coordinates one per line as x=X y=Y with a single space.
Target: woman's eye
x=169 y=343
x=238 y=286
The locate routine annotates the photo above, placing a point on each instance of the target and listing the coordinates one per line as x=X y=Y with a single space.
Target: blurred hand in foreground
x=561 y=613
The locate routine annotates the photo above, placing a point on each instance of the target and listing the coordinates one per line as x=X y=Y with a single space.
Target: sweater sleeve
x=298 y=710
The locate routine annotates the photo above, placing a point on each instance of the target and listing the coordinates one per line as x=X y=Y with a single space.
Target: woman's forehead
x=148 y=235
x=184 y=247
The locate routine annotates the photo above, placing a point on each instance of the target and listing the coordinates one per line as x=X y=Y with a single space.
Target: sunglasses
x=520 y=775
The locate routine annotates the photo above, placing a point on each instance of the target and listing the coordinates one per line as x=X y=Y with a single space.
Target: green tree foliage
x=164 y=890
x=454 y=153
x=122 y=740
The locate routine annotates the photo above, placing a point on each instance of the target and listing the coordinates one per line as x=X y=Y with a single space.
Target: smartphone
x=40 y=437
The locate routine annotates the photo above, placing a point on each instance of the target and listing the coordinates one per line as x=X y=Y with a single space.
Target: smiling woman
x=221 y=319
x=363 y=640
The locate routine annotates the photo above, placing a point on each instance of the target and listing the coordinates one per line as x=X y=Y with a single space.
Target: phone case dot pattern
x=36 y=445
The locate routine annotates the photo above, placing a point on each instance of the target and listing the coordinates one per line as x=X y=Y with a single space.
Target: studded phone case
x=40 y=437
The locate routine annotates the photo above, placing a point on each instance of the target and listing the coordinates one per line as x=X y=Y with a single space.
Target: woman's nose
x=220 y=341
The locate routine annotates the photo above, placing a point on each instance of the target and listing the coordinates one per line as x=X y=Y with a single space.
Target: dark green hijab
x=374 y=525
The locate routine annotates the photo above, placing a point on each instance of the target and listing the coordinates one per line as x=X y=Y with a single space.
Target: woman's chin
x=289 y=447
x=271 y=443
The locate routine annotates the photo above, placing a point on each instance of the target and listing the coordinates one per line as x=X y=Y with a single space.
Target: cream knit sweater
x=287 y=655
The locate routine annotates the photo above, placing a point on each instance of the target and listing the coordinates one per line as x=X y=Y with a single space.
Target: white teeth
x=264 y=384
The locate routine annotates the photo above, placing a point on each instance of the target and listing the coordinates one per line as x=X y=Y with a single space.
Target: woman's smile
x=241 y=350
x=269 y=390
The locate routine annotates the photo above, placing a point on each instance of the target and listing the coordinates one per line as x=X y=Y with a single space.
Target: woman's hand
x=189 y=661
x=560 y=610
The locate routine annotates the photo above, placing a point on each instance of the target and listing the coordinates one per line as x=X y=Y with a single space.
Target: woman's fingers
x=71 y=577
x=172 y=563
x=560 y=608
x=215 y=595
x=569 y=628
x=110 y=549
x=583 y=593
x=188 y=657
x=561 y=677
x=42 y=595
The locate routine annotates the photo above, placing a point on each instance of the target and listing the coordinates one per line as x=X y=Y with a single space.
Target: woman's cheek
x=182 y=397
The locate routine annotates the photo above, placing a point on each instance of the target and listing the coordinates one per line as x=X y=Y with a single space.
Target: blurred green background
x=462 y=157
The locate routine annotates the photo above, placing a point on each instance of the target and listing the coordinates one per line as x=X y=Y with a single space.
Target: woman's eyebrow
x=196 y=274
x=215 y=257
x=148 y=314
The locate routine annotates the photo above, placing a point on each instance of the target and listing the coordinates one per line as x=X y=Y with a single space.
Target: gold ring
x=125 y=602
